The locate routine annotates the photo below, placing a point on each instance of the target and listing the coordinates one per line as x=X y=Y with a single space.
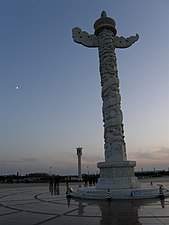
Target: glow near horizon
x=58 y=105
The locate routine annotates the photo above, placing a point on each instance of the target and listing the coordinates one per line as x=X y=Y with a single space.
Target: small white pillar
x=79 y=154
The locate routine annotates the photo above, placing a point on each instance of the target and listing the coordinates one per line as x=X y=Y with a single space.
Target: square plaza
x=35 y=204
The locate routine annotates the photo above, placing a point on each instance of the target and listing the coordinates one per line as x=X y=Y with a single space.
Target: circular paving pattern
x=37 y=205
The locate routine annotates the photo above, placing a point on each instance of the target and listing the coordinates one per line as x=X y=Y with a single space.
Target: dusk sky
x=50 y=93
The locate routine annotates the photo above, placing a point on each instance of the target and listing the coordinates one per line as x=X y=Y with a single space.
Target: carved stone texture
x=121 y=42
x=106 y=40
x=82 y=37
x=116 y=173
x=112 y=114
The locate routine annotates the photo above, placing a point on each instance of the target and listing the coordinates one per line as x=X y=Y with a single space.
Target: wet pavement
x=35 y=205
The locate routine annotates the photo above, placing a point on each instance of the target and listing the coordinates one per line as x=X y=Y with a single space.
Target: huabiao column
x=79 y=155
x=116 y=172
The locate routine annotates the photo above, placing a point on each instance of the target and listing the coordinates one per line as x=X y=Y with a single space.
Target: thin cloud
x=9 y=161
x=30 y=159
x=161 y=153
x=20 y=160
x=92 y=159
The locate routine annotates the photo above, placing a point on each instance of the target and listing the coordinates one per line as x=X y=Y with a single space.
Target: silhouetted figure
x=162 y=202
x=51 y=185
x=68 y=202
x=161 y=193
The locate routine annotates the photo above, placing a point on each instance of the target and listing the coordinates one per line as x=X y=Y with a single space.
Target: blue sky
x=57 y=106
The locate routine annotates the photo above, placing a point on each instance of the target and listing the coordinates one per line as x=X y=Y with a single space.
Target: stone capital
x=104 y=23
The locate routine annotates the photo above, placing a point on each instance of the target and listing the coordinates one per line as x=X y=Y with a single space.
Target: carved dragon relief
x=90 y=40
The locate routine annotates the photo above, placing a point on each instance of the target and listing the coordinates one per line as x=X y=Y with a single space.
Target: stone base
x=117 y=181
x=134 y=193
x=117 y=175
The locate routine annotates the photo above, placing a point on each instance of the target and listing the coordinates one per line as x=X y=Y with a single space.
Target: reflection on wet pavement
x=48 y=205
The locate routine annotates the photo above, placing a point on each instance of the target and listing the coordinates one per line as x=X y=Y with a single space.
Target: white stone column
x=116 y=172
x=79 y=154
x=112 y=115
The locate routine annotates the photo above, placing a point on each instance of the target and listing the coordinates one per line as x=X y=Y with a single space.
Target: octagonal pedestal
x=117 y=175
x=117 y=180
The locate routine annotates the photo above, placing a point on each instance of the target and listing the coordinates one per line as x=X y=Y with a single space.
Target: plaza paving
x=36 y=204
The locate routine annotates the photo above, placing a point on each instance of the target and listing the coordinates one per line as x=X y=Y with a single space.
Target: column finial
x=103 y=14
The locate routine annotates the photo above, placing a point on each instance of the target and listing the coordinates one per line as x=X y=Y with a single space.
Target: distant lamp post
x=79 y=154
